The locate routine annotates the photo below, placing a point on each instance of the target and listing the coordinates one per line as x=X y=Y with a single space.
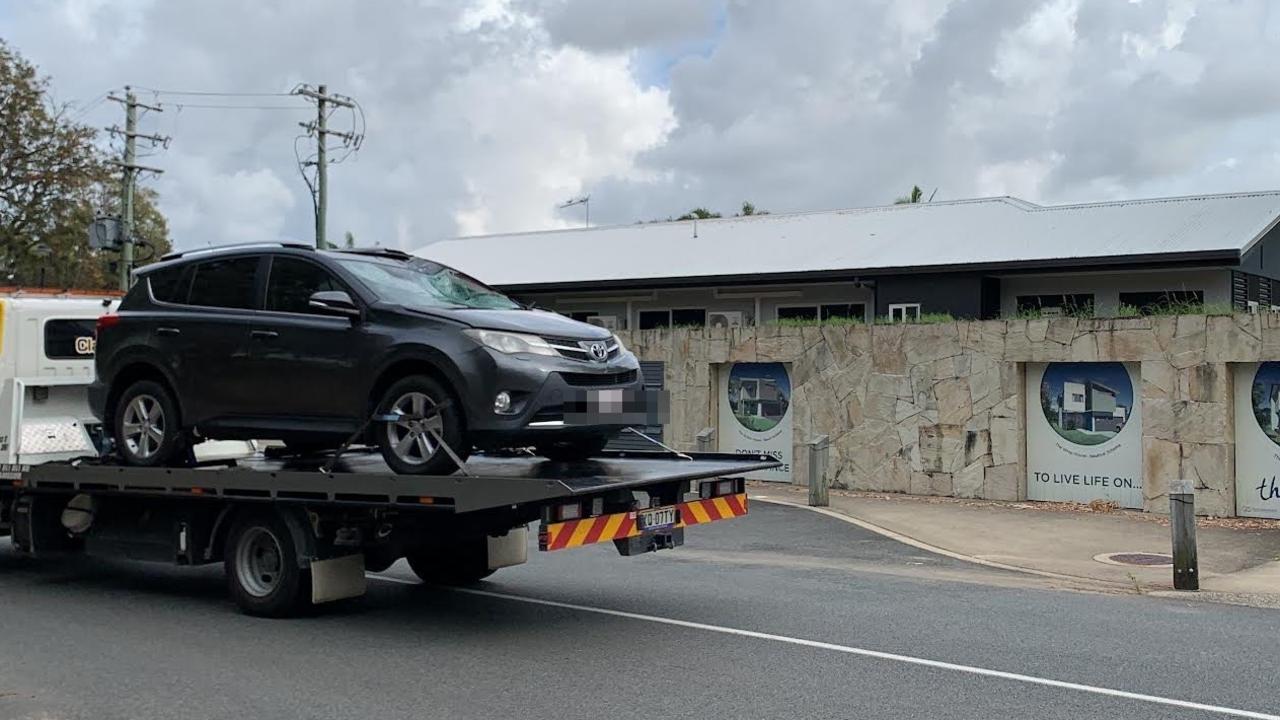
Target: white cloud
x=484 y=116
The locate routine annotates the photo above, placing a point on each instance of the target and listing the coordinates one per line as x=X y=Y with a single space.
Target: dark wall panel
x=958 y=294
x=1264 y=258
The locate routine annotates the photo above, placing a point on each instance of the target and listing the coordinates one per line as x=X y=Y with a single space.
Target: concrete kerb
x=908 y=540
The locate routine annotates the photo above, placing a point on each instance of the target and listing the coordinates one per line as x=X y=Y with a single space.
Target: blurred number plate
x=607 y=401
x=656 y=518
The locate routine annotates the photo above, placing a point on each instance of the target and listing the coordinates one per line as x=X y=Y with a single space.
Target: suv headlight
x=511 y=343
x=617 y=340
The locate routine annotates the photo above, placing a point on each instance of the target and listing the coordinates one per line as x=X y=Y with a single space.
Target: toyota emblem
x=598 y=351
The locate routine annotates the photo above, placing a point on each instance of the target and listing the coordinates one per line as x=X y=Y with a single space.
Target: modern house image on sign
x=758 y=402
x=1091 y=407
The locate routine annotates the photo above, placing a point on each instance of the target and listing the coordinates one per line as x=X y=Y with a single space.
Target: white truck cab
x=46 y=365
x=47 y=343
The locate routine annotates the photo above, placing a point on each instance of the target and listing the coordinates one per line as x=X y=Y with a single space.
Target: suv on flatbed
x=290 y=343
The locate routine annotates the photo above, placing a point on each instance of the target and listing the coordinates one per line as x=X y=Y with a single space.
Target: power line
x=325 y=103
x=207 y=93
x=238 y=107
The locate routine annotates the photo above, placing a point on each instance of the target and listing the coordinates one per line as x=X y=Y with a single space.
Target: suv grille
x=572 y=347
x=599 y=380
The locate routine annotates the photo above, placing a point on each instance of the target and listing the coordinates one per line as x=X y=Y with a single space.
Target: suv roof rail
x=378 y=252
x=236 y=246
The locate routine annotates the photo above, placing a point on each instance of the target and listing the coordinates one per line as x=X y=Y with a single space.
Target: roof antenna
x=695 y=225
x=935 y=192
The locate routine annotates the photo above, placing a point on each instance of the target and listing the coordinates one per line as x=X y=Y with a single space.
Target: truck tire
x=147 y=429
x=464 y=563
x=407 y=447
x=261 y=563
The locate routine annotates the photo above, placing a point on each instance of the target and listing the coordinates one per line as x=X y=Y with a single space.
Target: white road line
x=849 y=650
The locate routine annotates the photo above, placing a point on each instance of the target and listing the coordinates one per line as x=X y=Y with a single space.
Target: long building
x=983 y=258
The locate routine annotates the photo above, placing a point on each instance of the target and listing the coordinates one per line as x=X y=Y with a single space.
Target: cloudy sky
x=482 y=117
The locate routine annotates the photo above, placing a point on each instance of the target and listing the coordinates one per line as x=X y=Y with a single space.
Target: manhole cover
x=1144 y=559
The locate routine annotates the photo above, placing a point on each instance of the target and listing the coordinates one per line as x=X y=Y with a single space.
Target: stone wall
x=938 y=409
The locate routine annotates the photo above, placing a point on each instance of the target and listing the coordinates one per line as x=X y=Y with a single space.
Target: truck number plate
x=656 y=518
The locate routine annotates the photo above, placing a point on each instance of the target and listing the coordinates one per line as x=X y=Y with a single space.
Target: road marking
x=850 y=650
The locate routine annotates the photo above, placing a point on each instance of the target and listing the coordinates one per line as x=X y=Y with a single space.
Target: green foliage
x=699 y=213
x=915 y=196
x=53 y=182
x=924 y=319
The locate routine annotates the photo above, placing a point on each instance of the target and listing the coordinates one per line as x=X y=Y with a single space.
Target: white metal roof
x=964 y=232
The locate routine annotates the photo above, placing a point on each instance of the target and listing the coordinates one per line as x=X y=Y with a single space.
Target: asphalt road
x=770 y=616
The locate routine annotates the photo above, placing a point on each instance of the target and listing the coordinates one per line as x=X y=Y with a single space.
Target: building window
x=1068 y=304
x=581 y=316
x=689 y=317
x=851 y=311
x=904 y=312
x=653 y=319
x=803 y=312
x=682 y=317
x=1146 y=303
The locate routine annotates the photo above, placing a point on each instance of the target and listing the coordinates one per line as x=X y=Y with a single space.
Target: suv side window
x=225 y=283
x=292 y=281
x=171 y=284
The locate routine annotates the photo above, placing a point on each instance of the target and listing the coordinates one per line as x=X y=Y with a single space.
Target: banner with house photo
x=1257 y=401
x=1084 y=432
x=755 y=414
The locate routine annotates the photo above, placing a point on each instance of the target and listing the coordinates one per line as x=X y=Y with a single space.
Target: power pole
x=130 y=171
x=320 y=130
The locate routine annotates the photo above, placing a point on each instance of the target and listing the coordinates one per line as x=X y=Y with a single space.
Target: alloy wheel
x=144 y=426
x=411 y=438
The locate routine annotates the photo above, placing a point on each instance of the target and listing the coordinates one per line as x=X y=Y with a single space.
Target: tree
x=47 y=162
x=749 y=208
x=699 y=213
x=53 y=182
x=915 y=196
x=350 y=239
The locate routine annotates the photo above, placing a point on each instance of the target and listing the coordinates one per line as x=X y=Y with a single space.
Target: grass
x=1083 y=438
x=758 y=424
x=1132 y=311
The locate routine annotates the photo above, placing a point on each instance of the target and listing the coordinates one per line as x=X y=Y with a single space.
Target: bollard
x=704 y=438
x=819 y=448
x=1182 y=521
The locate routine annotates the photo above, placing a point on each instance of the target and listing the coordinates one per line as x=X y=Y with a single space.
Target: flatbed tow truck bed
x=294 y=532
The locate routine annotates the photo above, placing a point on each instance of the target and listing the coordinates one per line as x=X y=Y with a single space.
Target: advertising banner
x=755 y=414
x=1084 y=432
x=1257 y=388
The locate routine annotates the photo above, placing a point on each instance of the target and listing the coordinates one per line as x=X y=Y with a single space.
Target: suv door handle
x=168 y=331
x=263 y=334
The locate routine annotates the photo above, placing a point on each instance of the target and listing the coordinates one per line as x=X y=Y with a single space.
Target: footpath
x=1239 y=557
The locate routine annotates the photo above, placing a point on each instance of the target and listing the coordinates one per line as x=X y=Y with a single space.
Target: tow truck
x=296 y=530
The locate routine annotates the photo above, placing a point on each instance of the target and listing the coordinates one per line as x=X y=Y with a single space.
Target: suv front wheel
x=411 y=446
x=147 y=430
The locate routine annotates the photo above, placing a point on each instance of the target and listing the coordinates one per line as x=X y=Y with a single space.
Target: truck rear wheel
x=262 y=568
x=464 y=563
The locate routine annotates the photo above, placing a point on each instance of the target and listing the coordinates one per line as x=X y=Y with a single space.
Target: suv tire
x=147 y=430
x=576 y=449
x=407 y=447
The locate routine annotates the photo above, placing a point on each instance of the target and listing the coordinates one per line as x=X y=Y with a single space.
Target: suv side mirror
x=334 y=302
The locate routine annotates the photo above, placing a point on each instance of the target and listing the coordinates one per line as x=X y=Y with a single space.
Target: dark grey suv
x=290 y=343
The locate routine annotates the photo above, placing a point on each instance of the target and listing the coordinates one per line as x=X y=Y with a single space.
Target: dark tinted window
x=696 y=317
x=292 y=282
x=69 y=339
x=798 y=313
x=857 y=311
x=650 y=319
x=1163 y=300
x=225 y=283
x=1071 y=304
x=171 y=284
